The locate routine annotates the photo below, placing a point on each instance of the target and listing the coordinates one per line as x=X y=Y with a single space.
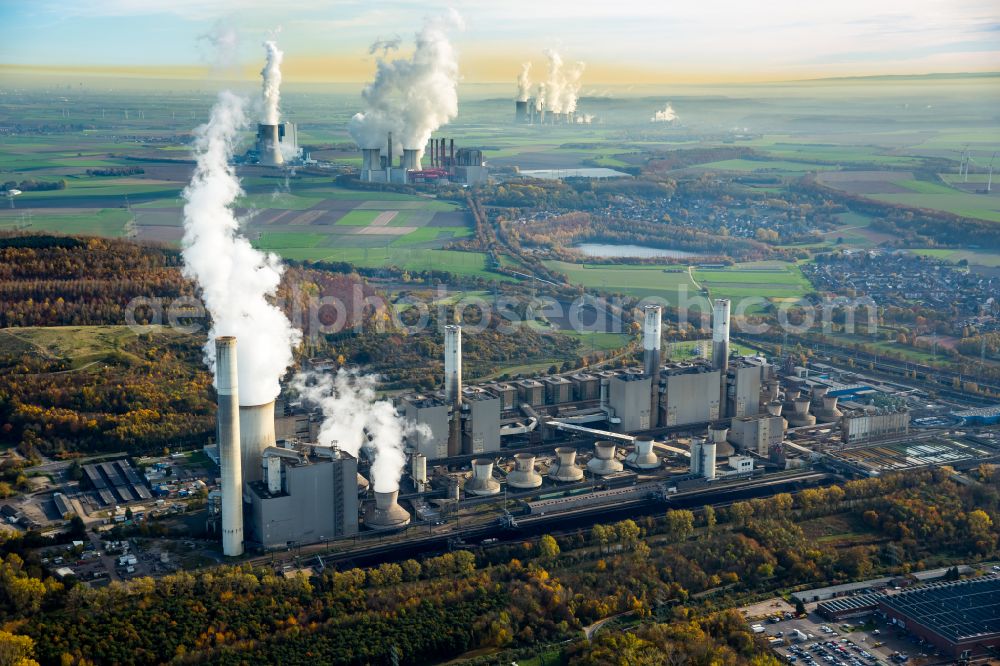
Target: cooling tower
x=651 y=335
x=268 y=147
x=774 y=408
x=800 y=415
x=370 y=159
x=565 y=469
x=524 y=475
x=720 y=335
x=829 y=411
x=230 y=460
x=482 y=481
x=604 y=462
x=256 y=434
x=410 y=160
x=772 y=390
x=385 y=513
x=521 y=111
x=642 y=457
x=453 y=385
x=818 y=392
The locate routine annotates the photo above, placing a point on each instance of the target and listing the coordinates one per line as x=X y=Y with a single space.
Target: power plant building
x=757 y=433
x=692 y=395
x=432 y=413
x=480 y=422
x=861 y=425
x=307 y=495
x=628 y=398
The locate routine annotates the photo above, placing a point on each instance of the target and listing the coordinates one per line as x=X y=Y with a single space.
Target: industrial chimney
x=720 y=334
x=565 y=468
x=482 y=481
x=651 y=334
x=256 y=434
x=386 y=514
x=643 y=457
x=268 y=147
x=524 y=475
x=230 y=461
x=453 y=385
x=604 y=463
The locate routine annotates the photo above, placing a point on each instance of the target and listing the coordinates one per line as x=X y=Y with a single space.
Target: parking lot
x=865 y=641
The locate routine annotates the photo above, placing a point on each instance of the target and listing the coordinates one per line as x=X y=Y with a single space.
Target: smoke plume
x=524 y=83
x=235 y=279
x=354 y=419
x=411 y=97
x=563 y=86
x=272 y=82
x=667 y=115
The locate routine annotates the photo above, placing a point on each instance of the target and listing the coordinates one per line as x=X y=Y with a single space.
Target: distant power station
x=276 y=144
x=727 y=414
x=465 y=166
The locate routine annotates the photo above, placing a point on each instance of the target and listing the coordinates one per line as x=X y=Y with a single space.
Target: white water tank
x=523 y=475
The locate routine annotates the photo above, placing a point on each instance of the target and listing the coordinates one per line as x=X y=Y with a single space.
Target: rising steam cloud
x=272 y=82
x=667 y=115
x=235 y=279
x=562 y=89
x=524 y=83
x=411 y=97
x=354 y=419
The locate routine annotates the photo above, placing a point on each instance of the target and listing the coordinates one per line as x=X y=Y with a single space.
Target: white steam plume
x=411 y=97
x=354 y=419
x=272 y=82
x=235 y=279
x=563 y=85
x=524 y=83
x=667 y=115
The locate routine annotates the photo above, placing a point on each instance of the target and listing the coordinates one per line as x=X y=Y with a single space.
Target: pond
x=609 y=250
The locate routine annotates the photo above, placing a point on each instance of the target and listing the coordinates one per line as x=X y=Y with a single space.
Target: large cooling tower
x=829 y=411
x=521 y=111
x=385 y=513
x=268 y=146
x=482 y=481
x=774 y=408
x=604 y=462
x=370 y=159
x=230 y=460
x=523 y=475
x=256 y=434
x=410 y=160
x=643 y=457
x=800 y=415
x=564 y=468
x=772 y=390
x=817 y=394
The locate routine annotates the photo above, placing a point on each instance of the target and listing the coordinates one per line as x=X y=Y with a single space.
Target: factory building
x=743 y=383
x=691 y=394
x=432 y=413
x=307 y=494
x=758 y=434
x=628 y=398
x=480 y=421
x=859 y=425
x=466 y=166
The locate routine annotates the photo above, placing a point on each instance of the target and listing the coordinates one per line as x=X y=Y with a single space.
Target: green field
x=102 y=221
x=766 y=166
x=358 y=218
x=768 y=280
x=640 y=281
x=974 y=257
x=82 y=345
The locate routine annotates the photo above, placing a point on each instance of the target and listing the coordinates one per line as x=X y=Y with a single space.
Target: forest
x=673 y=579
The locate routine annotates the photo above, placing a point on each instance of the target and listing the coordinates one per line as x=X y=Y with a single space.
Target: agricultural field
x=82 y=346
x=640 y=281
x=773 y=281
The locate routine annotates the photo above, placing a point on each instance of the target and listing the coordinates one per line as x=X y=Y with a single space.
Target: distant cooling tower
x=386 y=514
x=565 y=468
x=643 y=456
x=410 y=160
x=370 y=159
x=800 y=415
x=524 y=476
x=604 y=463
x=256 y=434
x=521 y=111
x=268 y=146
x=230 y=461
x=482 y=481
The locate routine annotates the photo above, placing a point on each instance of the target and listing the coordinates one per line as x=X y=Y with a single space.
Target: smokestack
x=604 y=463
x=388 y=156
x=268 y=148
x=433 y=153
x=452 y=151
x=230 y=462
x=643 y=457
x=720 y=334
x=256 y=434
x=565 y=468
x=651 y=334
x=482 y=481
x=386 y=514
x=524 y=474
x=453 y=384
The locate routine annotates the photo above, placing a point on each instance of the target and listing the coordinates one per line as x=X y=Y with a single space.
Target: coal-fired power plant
x=230 y=460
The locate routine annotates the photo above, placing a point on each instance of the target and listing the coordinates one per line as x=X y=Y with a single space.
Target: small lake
x=557 y=174
x=608 y=250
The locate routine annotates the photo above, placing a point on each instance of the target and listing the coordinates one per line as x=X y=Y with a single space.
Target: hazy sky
x=633 y=42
